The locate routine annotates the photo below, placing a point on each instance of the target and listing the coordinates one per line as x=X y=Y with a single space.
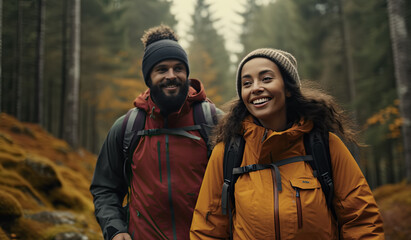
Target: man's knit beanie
x=284 y=60
x=161 y=43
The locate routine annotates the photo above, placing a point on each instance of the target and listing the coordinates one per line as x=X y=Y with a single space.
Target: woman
x=273 y=113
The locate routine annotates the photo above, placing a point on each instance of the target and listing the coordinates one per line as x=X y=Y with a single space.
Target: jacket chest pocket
x=306 y=194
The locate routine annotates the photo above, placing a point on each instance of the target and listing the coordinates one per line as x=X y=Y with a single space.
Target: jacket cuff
x=115 y=227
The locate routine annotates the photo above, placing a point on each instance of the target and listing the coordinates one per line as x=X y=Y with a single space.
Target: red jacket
x=167 y=172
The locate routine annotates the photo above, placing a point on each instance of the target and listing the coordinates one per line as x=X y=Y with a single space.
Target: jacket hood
x=273 y=144
x=195 y=93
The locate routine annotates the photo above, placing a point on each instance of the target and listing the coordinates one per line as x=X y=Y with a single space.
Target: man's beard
x=169 y=104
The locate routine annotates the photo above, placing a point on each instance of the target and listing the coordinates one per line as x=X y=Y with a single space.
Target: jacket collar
x=269 y=144
x=195 y=93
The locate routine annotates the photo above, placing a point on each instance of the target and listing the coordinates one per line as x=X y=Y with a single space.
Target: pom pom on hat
x=155 y=34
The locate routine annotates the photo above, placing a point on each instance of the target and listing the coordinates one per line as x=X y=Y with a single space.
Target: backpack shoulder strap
x=133 y=122
x=317 y=145
x=205 y=115
x=233 y=156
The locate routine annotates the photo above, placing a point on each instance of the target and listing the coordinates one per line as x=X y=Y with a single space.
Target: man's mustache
x=169 y=82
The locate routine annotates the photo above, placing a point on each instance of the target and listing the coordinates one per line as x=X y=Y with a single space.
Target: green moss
x=10 y=208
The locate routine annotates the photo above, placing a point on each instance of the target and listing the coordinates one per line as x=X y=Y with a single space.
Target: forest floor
x=44 y=189
x=44 y=185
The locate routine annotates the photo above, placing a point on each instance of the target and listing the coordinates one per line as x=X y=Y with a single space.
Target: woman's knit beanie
x=284 y=60
x=161 y=43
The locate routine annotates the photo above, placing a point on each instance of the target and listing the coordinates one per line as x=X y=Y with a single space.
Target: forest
x=73 y=67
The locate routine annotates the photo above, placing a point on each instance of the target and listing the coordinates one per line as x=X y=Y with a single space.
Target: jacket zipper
x=159 y=160
x=299 y=208
x=170 y=198
x=276 y=208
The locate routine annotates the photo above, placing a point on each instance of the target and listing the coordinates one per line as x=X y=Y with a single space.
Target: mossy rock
x=28 y=198
x=69 y=232
x=70 y=236
x=10 y=208
x=63 y=198
x=57 y=230
x=21 y=129
x=53 y=217
x=41 y=173
x=14 y=184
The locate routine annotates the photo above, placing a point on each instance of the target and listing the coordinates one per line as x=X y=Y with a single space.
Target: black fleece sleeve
x=108 y=186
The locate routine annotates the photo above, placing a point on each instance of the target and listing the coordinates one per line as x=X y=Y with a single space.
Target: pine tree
x=208 y=55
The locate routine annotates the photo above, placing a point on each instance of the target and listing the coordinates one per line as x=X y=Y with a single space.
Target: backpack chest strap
x=275 y=165
x=171 y=131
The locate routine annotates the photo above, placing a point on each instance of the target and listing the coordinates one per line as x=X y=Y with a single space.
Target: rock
x=70 y=236
x=40 y=172
x=55 y=217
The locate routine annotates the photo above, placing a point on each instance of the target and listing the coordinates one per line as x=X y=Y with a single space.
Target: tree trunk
x=38 y=103
x=73 y=80
x=19 y=62
x=348 y=66
x=94 y=146
x=1 y=34
x=64 y=65
x=389 y=167
x=402 y=65
x=348 y=61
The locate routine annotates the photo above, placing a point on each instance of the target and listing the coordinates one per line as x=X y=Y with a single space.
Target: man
x=166 y=168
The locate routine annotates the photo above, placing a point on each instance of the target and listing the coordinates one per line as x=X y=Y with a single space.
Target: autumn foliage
x=388 y=116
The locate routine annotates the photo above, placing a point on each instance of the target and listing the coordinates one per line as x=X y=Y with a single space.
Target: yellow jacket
x=303 y=217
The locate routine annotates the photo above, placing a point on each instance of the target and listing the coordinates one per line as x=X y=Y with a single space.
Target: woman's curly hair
x=305 y=103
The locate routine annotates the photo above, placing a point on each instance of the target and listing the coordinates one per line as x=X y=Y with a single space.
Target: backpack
x=205 y=116
x=318 y=156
